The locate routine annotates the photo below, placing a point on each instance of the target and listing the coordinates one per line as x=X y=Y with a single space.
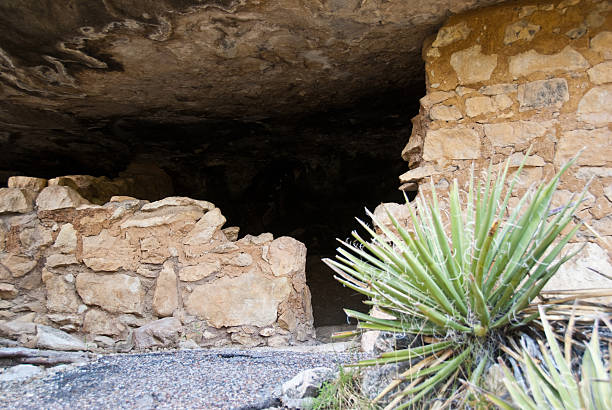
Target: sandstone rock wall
x=523 y=74
x=133 y=273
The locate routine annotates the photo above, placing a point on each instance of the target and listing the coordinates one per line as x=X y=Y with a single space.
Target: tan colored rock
x=597 y=146
x=418 y=173
x=8 y=291
x=98 y=322
x=54 y=339
x=57 y=260
x=505 y=88
x=476 y=106
x=543 y=94
x=16 y=200
x=472 y=66
x=287 y=256
x=31 y=183
x=602 y=44
x=608 y=192
x=122 y=198
x=200 y=271
x=461 y=90
x=231 y=233
x=451 y=34
x=34 y=238
x=66 y=240
x=18 y=265
x=61 y=295
x=108 y=253
x=531 y=61
x=249 y=299
x=445 y=113
x=59 y=197
x=520 y=30
x=160 y=333
x=165 y=298
x=164 y=215
x=517 y=132
x=400 y=212
x=502 y=101
x=242 y=260
x=205 y=228
x=261 y=239
x=455 y=143
x=435 y=97
x=178 y=201
x=518 y=157
x=601 y=73
x=596 y=106
x=287 y=321
x=117 y=293
x=575 y=274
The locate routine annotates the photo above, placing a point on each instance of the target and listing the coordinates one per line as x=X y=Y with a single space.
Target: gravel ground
x=202 y=379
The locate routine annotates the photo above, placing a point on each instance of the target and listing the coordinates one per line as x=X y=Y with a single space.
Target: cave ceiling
x=78 y=76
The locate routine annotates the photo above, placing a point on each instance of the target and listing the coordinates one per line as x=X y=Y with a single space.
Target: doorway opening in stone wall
x=305 y=176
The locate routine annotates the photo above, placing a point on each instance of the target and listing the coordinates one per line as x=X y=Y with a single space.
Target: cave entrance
x=307 y=177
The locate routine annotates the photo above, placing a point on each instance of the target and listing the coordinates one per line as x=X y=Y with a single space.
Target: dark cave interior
x=307 y=177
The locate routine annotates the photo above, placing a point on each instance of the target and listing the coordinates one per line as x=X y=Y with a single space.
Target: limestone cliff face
x=508 y=77
x=64 y=62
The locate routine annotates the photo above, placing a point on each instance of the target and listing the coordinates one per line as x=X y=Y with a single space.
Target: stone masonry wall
x=523 y=74
x=131 y=273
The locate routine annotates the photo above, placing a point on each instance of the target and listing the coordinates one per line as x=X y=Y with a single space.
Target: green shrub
x=554 y=383
x=462 y=291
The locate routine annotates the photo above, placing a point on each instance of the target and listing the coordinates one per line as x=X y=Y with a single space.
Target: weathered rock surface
x=117 y=293
x=162 y=332
x=544 y=83
x=300 y=391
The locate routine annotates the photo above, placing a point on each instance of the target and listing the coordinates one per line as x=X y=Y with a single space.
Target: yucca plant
x=459 y=291
x=553 y=382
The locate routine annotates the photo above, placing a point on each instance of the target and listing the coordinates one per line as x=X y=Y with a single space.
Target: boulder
x=20 y=373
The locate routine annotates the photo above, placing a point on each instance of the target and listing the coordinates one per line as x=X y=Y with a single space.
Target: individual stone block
x=506 y=134
x=455 y=143
x=108 y=253
x=16 y=200
x=165 y=298
x=57 y=197
x=476 y=106
x=602 y=44
x=601 y=73
x=287 y=256
x=472 y=66
x=451 y=34
x=8 y=291
x=520 y=30
x=31 y=183
x=597 y=146
x=205 y=228
x=117 y=293
x=249 y=299
x=160 y=333
x=54 y=339
x=98 y=322
x=18 y=265
x=200 y=271
x=531 y=61
x=595 y=107
x=445 y=113
x=543 y=94
x=61 y=295
x=498 y=89
x=66 y=240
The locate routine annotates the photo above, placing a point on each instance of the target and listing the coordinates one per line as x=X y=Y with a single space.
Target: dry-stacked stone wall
x=504 y=78
x=131 y=273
